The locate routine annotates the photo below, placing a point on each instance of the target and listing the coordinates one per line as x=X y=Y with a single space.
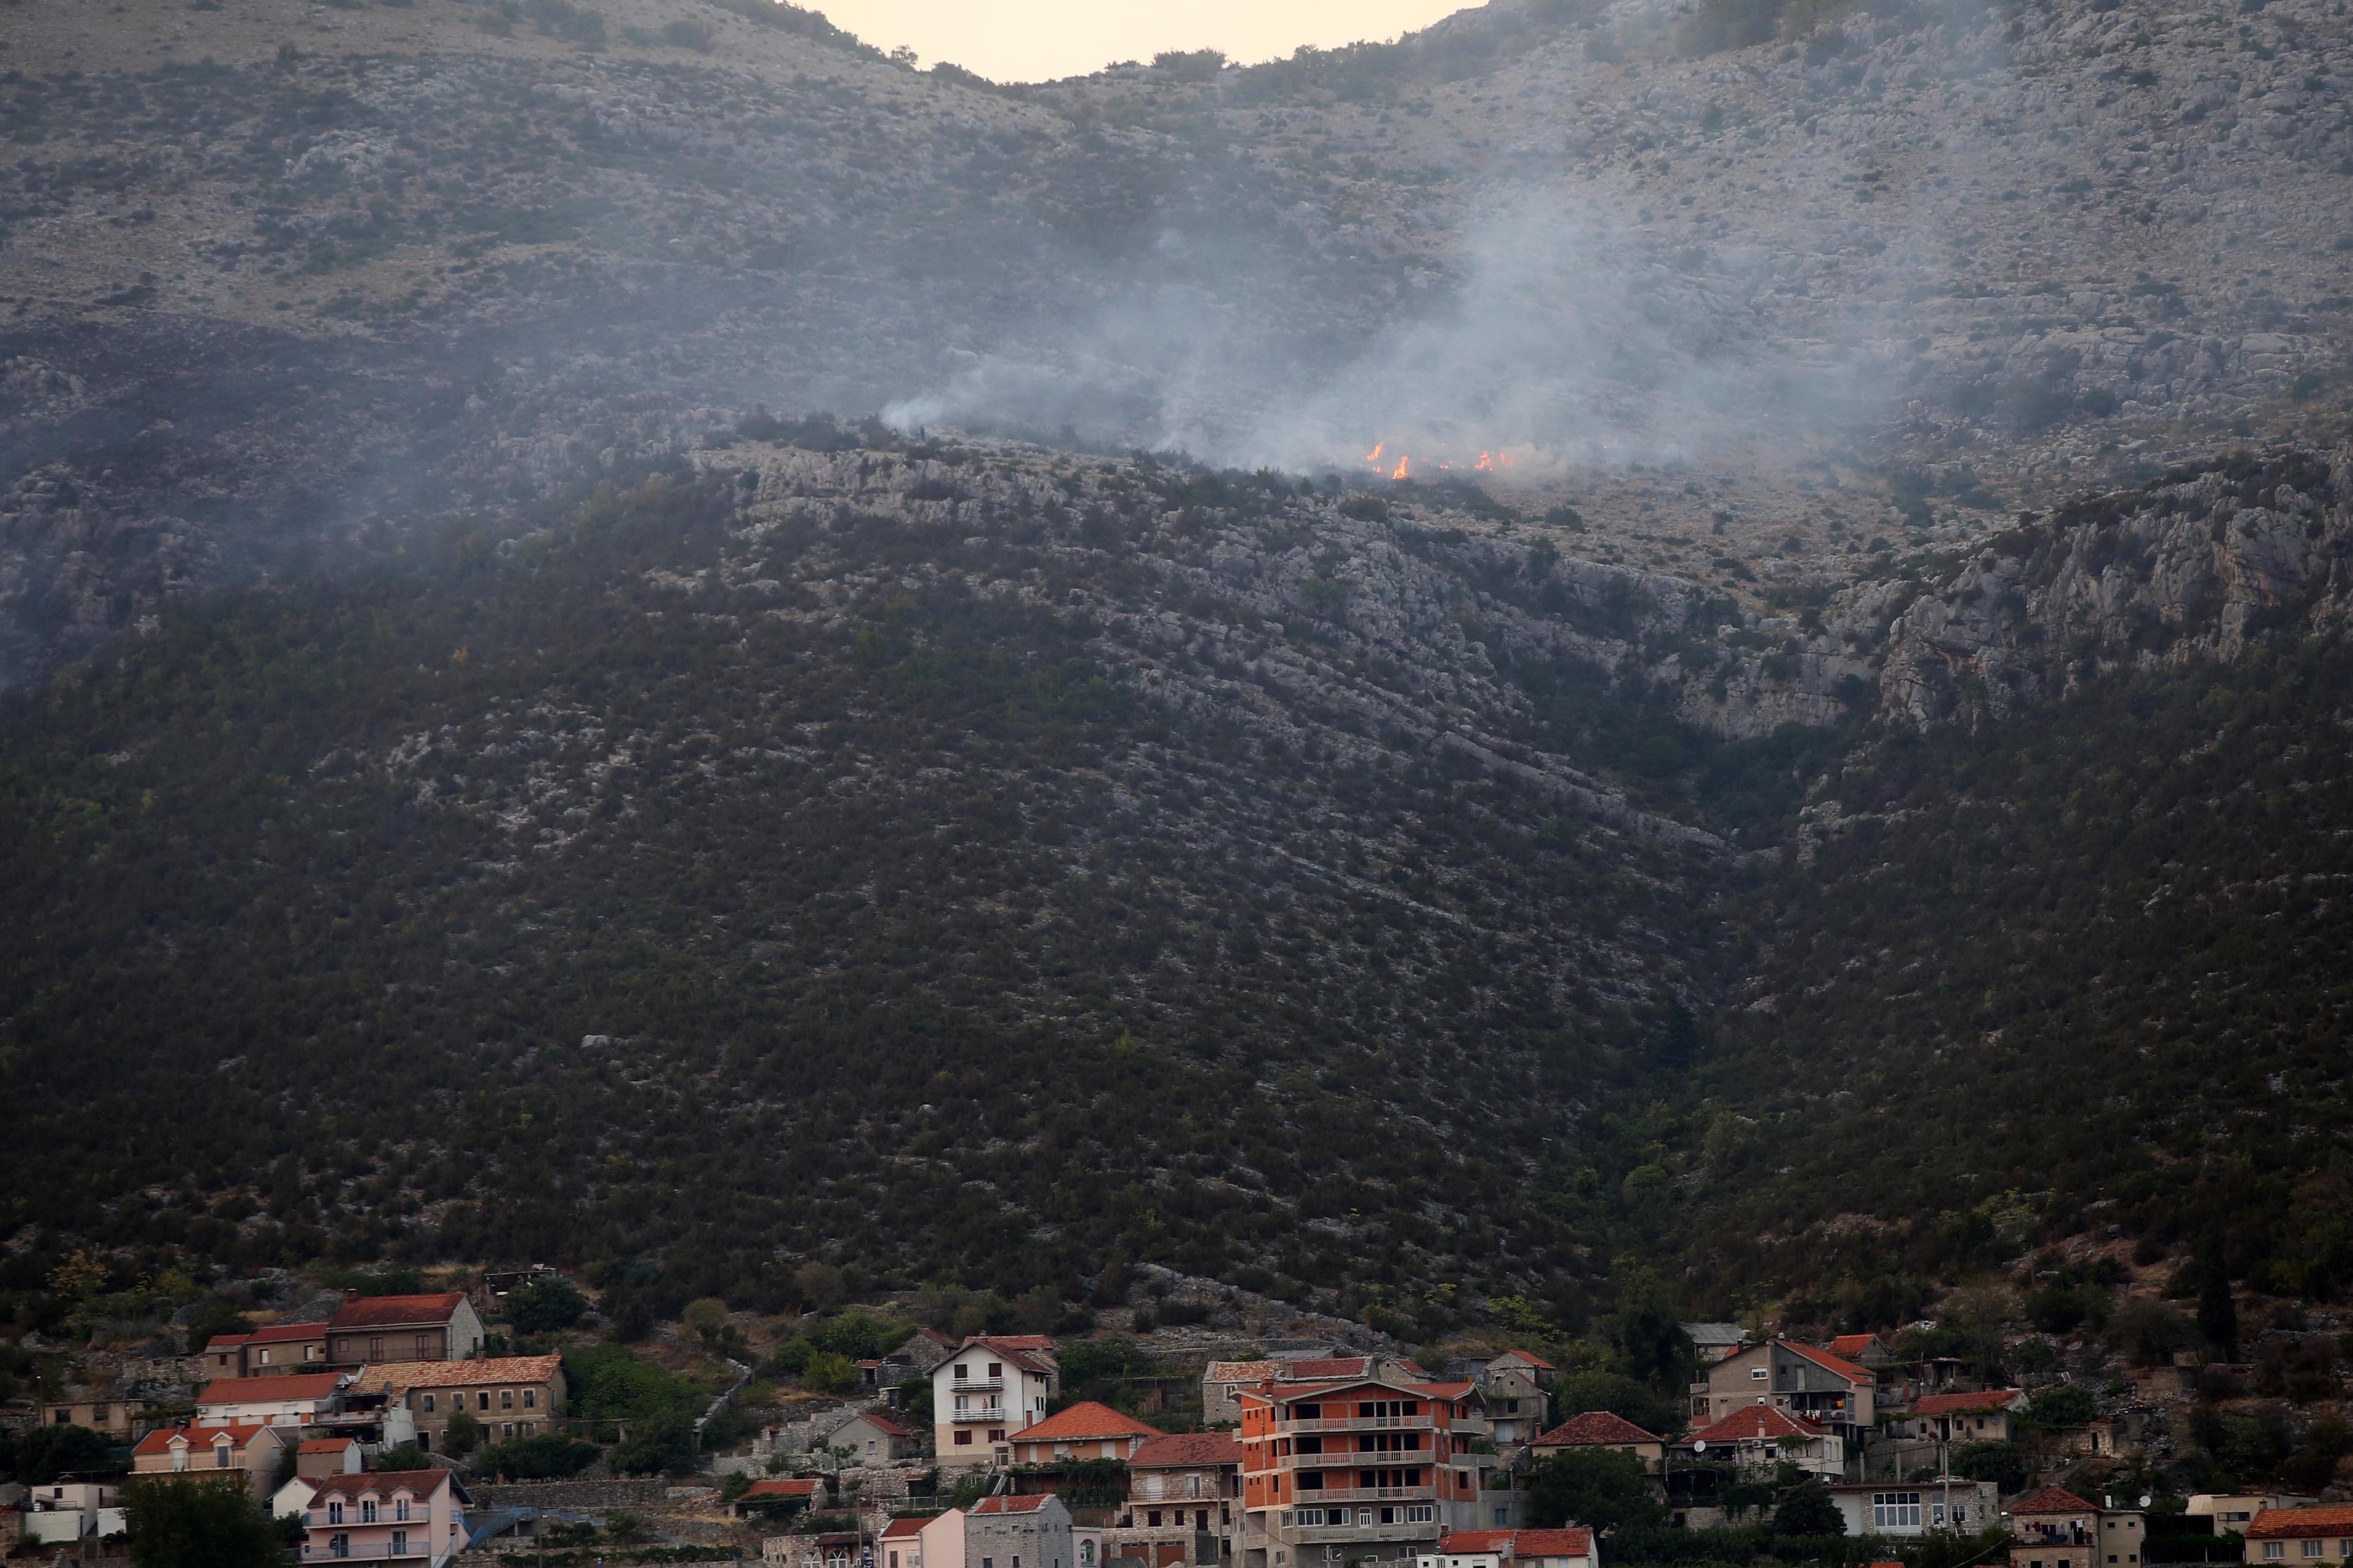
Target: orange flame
x=1402 y=461
x=1486 y=461
x=1375 y=455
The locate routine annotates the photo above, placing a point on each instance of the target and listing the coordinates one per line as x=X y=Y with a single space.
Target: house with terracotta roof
x=1222 y=1380
x=1863 y=1350
x=248 y=1454
x=1603 y=1429
x=778 y=1495
x=984 y=1394
x=2301 y=1535
x=911 y=1542
x=1810 y=1384
x=368 y=1330
x=274 y=1349
x=511 y=1396
x=1714 y=1341
x=1183 y=1488
x=294 y=1401
x=2056 y=1528
x=1087 y=1431
x=1984 y=1416
x=414 y=1515
x=1755 y=1439
x=1514 y=1402
x=876 y=1438
x=1513 y=1548
x=1541 y=1370
x=319 y=1458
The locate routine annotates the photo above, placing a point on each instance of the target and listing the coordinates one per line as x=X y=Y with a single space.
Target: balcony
x=1354 y=1424
x=367 y=1552
x=1426 y=1492
x=974 y=1385
x=984 y=1413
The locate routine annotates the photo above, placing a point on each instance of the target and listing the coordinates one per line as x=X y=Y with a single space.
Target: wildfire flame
x=1487 y=462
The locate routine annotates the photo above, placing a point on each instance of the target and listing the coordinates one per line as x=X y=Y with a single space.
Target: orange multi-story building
x=1368 y=1468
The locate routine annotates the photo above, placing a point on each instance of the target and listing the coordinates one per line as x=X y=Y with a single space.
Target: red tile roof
x=900 y=1529
x=880 y=1423
x=1530 y=1357
x=219 y=1343
x=1954 y=1404
x=160 y=1441
x=2052 y=1499
x=1755 y=1421
x=1241 y=1371
x=399 y=1376
x=322 y=1444
x=279 y=1333
x=1517 y=1543
x=1031 y=1503
x=783 y=1485
x=1595 y=1427
x=2277 y=1521
x=1474 y=1540
x=1186 y=1450
x=420 y=1483
x=260 y=1390
x=1083 y=1421
x=1015 y=1349
x=1824 y=1359
x=1850 y=1347
x=1317 y=1369
x=398 y=1311
x=1553 y=1543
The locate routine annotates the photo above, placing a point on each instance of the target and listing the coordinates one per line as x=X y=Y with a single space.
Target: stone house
x=1183 y=1488
x=2056 y=1528
x=1603 y=1429
x=1028 y=1532
x=1812 y=1385
x=511 y=1396
x=369 y=1331
x=120 y=1419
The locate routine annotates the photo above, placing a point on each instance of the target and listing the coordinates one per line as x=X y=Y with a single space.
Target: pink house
x=413 y=1516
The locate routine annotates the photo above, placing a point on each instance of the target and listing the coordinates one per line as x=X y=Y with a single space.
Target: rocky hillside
x=273 y=275
x=959 y=854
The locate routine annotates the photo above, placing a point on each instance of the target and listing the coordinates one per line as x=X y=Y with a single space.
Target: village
x=491 y=1421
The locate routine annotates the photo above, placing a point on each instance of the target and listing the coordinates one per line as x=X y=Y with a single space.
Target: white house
x=1907 y=1510
x=71 y=1510
x=296 y=1401
x=987 y=1390
x=1513 y=1548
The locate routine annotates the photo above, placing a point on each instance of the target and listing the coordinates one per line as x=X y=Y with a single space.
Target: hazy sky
x=1036 y=40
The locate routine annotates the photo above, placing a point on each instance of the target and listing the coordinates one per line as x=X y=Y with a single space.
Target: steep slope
x=273 y=271
x=930 y=857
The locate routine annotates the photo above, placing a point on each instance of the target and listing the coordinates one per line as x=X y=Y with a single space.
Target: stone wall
x=615 y=1492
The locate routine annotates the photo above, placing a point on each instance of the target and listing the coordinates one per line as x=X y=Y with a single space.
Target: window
x=424 y=1347
x=367 y=1510
x=1311 y=1480
x=531 y=1399
x=1152 y=1517
x=506 y=1399
x=1307 y=1413
x=1894 y=1510
x=2275 y=1550
x=400 y=1509
x=995 y=1369
x=1503 y=1518
x=996 y=1434
x=2312 y=1548
x=98 y=1415
x=264 y=1357
x=962 y=1372
x=506 y=1428
x=482 y=1400
x=220 y=1455
x=1364 y=1516
x=400 y=1543
x=180 y=1457
x=964 y=1438
x=1421 y=1513
x=64 y=1418
x=375 y=1348
x=428 y=1404
x=335 y=1511
x=339 y=1546
x=1759 y=1373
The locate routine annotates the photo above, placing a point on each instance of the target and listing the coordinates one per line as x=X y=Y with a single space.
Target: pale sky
x=1038 y=40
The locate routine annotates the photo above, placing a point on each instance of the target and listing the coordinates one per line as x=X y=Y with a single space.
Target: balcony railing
x=1351 y=1423
x=985 y=1413
x=974 y=1384
x=371 y=1552
x=1426 y=1492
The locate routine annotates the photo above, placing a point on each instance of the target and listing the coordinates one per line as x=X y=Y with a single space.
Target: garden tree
x=1620 y=1395
x=189 y=1522
x=2217 y=1310
x=1598 y=1487
x=45 y=1453
x=707 y=1320
x=545 y=1306
x=792 y=1356
x=404 y=1456
x=213 y=1319
x=2062 y=1405
x=543 y=1455
x=2148 y=1329
x=1808 y=1509
x=916 y=1403
x=2314 y=1465
x=1649 y=1334
x=463 y=1434
x=829 y=1372
x=2004 y=1464
x=663 y=1446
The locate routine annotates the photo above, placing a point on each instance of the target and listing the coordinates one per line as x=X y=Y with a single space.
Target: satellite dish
x=1699 y=1445
x=2144 y=1499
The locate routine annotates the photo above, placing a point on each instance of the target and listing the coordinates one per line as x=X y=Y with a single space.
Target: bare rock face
x=2196 y=566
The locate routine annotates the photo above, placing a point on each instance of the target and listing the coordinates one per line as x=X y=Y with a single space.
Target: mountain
x=968 y=857
x=1705 y=636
